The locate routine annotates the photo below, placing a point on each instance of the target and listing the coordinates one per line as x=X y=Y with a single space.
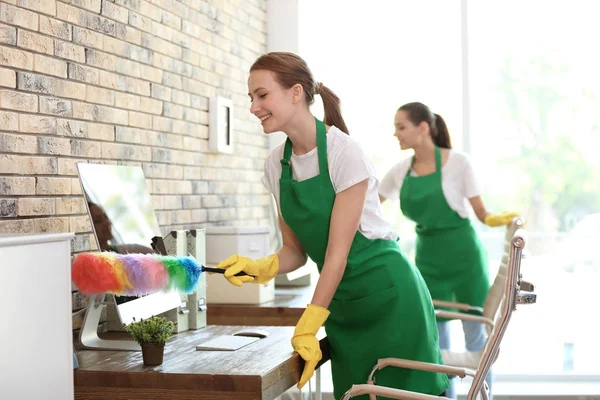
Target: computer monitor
x=123 y=221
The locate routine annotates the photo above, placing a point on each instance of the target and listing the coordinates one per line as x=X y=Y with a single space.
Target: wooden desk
x=284 y=310
x=261 y=370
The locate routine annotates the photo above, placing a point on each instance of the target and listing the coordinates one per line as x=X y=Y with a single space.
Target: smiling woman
x=326 y=192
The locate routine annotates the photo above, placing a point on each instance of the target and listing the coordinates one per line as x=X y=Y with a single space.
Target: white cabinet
x=36 y=344
x=223 y=242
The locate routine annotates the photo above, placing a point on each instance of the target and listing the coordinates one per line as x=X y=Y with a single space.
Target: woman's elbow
x=300 y=257
x=303 y=259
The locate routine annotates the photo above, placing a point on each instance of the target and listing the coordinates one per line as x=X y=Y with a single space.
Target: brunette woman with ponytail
x=371 y=299
x=433 y=187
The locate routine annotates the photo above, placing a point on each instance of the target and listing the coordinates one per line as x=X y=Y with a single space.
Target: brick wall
x=127 y=82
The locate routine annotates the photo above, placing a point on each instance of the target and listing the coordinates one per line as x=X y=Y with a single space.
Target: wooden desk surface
x=261 y=370
x=284 y=310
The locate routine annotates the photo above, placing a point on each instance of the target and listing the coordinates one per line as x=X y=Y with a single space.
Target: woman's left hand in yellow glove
x=499 y=219
x=305 y=340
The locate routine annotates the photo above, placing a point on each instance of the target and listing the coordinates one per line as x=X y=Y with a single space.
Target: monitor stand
x=88 y=335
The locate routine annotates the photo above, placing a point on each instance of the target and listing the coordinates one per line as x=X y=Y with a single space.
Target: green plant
x=151 y=330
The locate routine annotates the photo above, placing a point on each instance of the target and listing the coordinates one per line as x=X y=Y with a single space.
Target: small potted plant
x=151 y=334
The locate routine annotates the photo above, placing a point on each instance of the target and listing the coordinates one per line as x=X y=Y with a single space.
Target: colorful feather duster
x=134 y=274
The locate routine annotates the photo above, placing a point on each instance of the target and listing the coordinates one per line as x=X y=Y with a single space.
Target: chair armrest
x=458 y=306
x=424 y=366
x=526 y=298
x=464 y=317
x=527 y=286
x=358 y=390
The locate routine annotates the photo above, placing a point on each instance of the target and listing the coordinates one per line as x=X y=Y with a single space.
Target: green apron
x=448 y=251
x=381 y=307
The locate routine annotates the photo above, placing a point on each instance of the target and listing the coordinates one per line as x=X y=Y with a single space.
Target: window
x=534 y=96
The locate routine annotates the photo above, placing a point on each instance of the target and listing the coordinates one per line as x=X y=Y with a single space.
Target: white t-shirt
x=458 y=182
x=348 y=165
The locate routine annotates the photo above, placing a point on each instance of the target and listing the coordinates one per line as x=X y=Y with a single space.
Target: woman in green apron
x=433 y=187
x=371 y=299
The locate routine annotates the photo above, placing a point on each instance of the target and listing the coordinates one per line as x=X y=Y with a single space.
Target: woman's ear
x=424 y=128
x=297 y=93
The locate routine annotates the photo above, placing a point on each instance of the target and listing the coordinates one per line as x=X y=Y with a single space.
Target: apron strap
x=409 y=170
x=322 y=148
x=286 y=169
x=438 y=160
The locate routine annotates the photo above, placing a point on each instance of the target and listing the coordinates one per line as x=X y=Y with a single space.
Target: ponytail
x=439 y=133
x=419 y=112
x=331 y=104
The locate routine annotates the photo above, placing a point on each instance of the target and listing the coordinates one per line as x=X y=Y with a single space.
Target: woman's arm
x=391 y=184
x=488 y=218
x=345 y=219
x=479 y=208
x=291 y=255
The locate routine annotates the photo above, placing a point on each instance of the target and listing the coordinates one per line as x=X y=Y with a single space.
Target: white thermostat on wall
x=220 y=139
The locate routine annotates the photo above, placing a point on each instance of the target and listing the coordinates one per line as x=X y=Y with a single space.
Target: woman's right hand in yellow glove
x=499 y=219
x=261 y=270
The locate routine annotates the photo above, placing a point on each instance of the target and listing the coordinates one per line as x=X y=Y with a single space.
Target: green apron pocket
x=368 y=310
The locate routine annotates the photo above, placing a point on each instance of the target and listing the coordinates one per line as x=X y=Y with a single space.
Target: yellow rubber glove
x=499 y=219
x=305 y=341
x=264 y=269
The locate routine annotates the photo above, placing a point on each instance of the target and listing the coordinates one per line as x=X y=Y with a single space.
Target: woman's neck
x=425 y=153
x=302 y=133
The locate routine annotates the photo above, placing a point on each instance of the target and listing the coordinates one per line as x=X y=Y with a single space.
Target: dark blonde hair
x=289 y=70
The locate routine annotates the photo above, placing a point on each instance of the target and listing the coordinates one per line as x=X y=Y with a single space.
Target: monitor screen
x=123 y=220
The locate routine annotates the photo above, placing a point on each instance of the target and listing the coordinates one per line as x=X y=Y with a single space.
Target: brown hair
x=419 y=112
x=290 y=70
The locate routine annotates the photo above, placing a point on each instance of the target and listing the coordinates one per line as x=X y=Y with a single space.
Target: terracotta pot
x=152 y=353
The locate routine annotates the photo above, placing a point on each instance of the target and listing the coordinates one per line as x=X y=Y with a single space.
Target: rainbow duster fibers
x=183 y=272
x=146 y=273
x=134 y=274
x=93 y=275
x=118 y=268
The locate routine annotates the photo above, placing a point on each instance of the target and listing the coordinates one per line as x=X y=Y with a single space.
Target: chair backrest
x=508 y=304
x=496 y=292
